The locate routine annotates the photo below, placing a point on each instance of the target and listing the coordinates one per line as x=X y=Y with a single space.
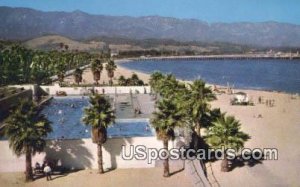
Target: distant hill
x=53 y=42
x=56 y=42
x=24 y=24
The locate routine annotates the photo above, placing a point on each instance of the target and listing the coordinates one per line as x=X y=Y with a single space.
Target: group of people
x=268 y=102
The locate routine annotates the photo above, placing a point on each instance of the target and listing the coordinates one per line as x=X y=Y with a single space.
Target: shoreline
x=145 y=74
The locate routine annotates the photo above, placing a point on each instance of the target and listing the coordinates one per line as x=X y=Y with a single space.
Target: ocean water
x=278 y=75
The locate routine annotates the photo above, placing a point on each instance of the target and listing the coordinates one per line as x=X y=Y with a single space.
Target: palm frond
x=26 y=127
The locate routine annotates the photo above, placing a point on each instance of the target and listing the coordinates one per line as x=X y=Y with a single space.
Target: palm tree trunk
x=98 y=80
x=100 y=161
x=28 y=172
x=166 y=161
x=224 y=165
x=198 y=129
x=111 y=81
x=97 y=77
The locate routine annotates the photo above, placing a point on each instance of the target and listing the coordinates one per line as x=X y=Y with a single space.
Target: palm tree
x=97 y=68
x=78 y=75
x=110 y=68
x=60 y=71
x=198 y=107
x=39 y=72
x=99 y=115
x=164 y=121
x=66 y=47
x=12 y=67
x=26 y=130
x=155 y=79
x=134 y=80
x=25 y=57
x=122 y=81
x=226 y=133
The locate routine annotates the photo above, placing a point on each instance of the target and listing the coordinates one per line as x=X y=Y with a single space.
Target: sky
x=206 y=10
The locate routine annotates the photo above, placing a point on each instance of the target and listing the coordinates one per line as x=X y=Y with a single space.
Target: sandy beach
x=278 y=128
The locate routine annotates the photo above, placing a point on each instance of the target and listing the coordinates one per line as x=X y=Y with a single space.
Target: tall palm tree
x=97 y=68
x=110 y=68
x=226 y=133
x=26 y=130
x=78 y=75
x=197 y=103
x=164 y=122
x=99 y=115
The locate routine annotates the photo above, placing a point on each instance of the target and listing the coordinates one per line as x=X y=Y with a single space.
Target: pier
x=220 y=57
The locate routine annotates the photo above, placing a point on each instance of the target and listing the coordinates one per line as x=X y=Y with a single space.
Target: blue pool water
x=66 y=114
x=279 y=75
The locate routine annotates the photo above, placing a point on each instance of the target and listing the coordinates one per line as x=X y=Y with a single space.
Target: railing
x=196 y=172
x=212 y=181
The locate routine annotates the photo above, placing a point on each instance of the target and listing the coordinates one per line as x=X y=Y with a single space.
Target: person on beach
x=47 y=171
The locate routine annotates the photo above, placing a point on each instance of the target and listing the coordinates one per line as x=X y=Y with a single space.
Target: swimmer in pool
x=62 y=121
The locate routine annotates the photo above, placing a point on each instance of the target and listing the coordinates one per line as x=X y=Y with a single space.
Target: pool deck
x=126 y=105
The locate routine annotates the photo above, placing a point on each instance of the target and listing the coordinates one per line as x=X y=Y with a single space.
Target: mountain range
x=25 y=24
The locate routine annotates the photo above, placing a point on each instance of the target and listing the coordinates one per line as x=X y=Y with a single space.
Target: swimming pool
x=66 y=113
